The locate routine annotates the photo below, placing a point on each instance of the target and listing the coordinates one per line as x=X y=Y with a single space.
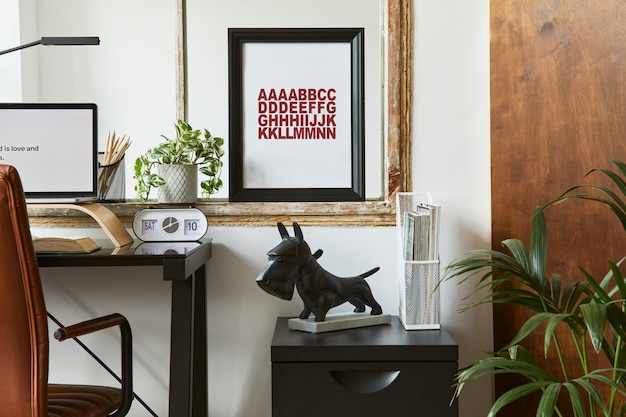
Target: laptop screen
x=53 y=146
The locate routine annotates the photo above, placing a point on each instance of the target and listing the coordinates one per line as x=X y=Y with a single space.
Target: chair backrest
x=23 y=322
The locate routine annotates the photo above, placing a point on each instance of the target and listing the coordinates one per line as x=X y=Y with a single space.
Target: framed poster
x=296 y=114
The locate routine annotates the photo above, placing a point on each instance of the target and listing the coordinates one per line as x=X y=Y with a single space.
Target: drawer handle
x=364 y=382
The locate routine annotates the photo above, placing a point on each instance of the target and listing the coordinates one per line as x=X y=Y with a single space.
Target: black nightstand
x=371 y=371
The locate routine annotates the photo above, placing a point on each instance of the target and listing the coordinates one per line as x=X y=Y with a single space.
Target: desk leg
x=188 y=351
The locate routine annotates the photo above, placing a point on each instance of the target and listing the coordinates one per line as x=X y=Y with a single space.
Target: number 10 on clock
x=192 y=226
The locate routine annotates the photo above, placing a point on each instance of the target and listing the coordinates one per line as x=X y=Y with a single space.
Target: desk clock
x=170 y=224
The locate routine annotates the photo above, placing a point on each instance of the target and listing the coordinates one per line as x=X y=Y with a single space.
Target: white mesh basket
x=419 y=306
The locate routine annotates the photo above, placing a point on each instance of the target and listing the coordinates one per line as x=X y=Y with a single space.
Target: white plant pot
x=181 y=184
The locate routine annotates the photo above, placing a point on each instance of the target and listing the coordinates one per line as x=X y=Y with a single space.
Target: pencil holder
x=111 y=180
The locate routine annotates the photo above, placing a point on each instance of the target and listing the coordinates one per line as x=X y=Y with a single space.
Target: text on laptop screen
x=53 y=146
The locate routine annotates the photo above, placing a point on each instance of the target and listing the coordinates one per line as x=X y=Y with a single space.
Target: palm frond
x=533 y=322
x=516 y=394
x=576 y=400
x=548 y=400
x=612 y=200
x=594 y=315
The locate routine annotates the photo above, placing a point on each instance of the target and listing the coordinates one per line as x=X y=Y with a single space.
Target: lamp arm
x=58 y=40
x=17 y=48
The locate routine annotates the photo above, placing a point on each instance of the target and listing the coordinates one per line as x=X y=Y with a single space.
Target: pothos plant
x=589 y=309
x=189 y=146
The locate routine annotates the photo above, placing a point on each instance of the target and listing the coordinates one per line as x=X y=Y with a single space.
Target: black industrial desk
x=184 y=265
x=369 y=372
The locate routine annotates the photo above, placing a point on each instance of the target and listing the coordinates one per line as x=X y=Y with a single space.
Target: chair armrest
x=90 y=326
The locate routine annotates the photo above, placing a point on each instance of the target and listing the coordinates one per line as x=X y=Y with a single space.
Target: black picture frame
x=354 y=188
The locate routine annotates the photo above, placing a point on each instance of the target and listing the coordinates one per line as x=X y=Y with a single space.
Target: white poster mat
x=297 y=115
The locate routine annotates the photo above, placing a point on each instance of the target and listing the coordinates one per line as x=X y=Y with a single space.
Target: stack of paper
x=421 y=233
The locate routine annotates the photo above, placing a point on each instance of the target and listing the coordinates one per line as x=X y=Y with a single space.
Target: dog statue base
x=339 y=321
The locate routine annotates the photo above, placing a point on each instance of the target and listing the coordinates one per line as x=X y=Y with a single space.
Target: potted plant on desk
x=177 y=162
x=589 y=310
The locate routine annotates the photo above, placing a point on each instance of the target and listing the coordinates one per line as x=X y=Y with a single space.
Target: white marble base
x=340 y=321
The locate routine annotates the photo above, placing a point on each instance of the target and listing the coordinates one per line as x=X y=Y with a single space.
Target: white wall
x=451 y=156
x=10 y=63
x=450 y=159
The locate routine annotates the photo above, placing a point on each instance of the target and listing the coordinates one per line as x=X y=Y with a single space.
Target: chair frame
x=100 y=323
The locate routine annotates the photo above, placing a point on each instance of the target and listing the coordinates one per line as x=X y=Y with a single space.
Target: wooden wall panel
x=558 y=106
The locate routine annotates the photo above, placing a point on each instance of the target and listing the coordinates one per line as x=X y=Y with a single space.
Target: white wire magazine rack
x=418 y=261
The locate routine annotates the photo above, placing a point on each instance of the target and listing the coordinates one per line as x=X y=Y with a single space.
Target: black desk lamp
x=63 y=40
x=105 y=218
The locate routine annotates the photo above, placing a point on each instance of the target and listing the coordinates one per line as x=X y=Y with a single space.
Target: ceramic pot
x=181 y=184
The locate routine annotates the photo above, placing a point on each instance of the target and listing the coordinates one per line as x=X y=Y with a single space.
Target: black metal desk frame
x=188 y=334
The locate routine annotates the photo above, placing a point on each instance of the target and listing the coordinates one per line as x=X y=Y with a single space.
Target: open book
x=81 y=244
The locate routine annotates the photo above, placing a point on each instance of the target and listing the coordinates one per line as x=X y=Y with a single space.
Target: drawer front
x=390 y=389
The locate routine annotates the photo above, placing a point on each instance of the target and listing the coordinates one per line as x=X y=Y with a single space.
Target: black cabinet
x=371 y=371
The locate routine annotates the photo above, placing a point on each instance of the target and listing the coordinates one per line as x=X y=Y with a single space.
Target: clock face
x=170 y=224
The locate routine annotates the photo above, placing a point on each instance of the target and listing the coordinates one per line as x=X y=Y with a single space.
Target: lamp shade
x=72 y=40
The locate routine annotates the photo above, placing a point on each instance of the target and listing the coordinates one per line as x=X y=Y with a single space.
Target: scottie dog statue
x=291 y=263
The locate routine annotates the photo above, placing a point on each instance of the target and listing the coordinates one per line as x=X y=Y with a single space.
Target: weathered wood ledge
x=223 y=213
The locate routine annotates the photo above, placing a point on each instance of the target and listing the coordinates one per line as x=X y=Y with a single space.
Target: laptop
x=54 y=147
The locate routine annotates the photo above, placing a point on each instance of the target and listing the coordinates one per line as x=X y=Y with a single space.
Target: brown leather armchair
x=24 y=387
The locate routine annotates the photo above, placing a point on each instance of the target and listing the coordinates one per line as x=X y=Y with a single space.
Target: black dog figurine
x=291 y=263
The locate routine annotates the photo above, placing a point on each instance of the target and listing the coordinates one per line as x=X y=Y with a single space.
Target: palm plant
x=584 y=308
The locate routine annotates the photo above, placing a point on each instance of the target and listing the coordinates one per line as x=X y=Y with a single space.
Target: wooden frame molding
x=399 y=47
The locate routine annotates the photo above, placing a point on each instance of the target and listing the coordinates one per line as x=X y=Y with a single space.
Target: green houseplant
x=196 y=149
x=588 y=309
